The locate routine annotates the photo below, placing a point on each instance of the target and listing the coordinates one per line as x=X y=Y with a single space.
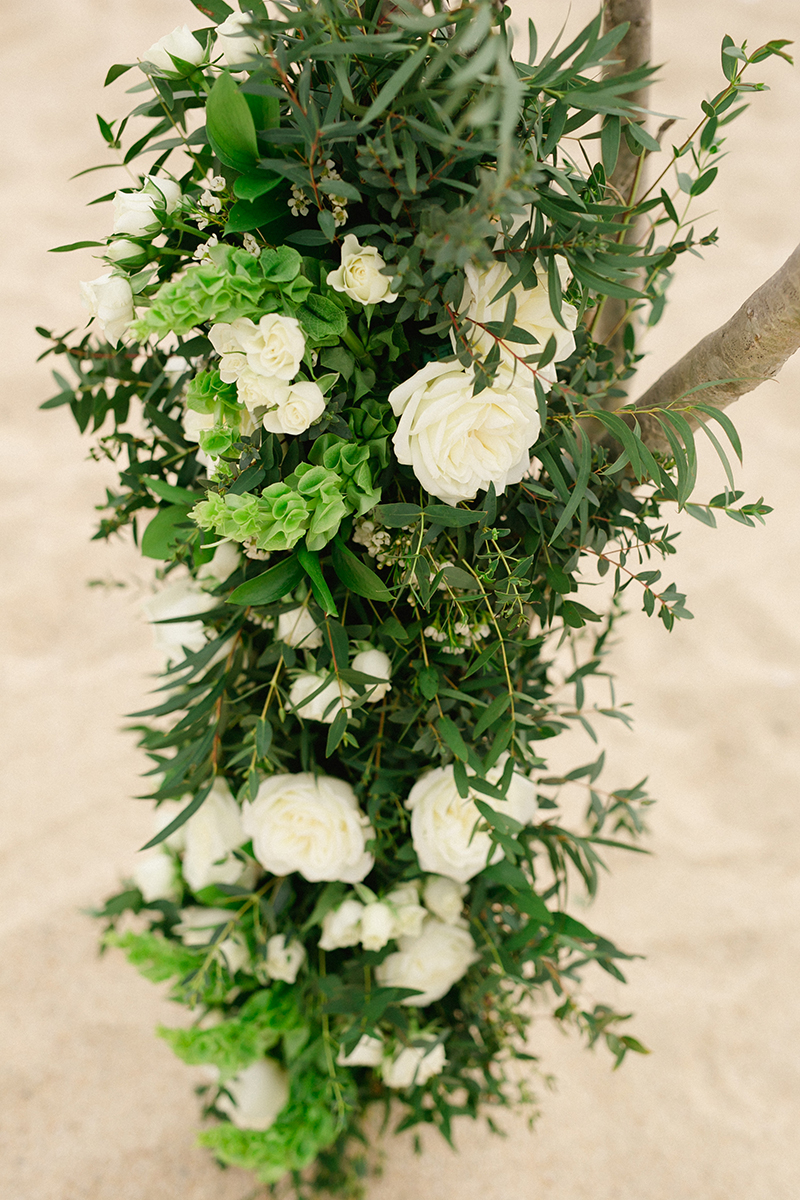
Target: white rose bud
x=414 y=1066
x=323 y=707
x=367 y=1052
x=377 y=926
x=342 y=926
x=458 y=443
x=275 y=347
x=360 y=276
x=135 y=213
x=233 y=42
x=257 y=1095
x=533 y=314
x=297 y=627
x=155 y=876
x=184 y=598
x=445 y=898
x=212 y=833
x=225 y=339
x=226 y=559
x=284 y=959
x=379 y=666
x=431 y=963
x=166 y=191
x=443 y=824
x=293 y=407
x=127 y=253
x=109 y=298
x=408 y=912
x=197 y=927
x=311 y=825
x=182 y=43
x=253 y=391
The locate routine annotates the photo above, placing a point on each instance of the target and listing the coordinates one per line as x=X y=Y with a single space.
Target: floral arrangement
x=344 y=357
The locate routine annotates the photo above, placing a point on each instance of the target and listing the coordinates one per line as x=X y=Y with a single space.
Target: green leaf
x=117 y=70
x=167 y=491
x=217 y=10
x=356 y=575
x=452 y=738
x=395 y=84
x=246 y=215
x=429 y=682
x=395 y=516
x=161 y=535
x=584 y=466
x=309 y=560
x=640 y=135
x=251 y=187
x=73 y=246
x=452 y=518
x=336 y=732
x=272 y=585
x=705 y=181
x=182 y=817
x=496 y=709
x=609 y=142
x=230 y=126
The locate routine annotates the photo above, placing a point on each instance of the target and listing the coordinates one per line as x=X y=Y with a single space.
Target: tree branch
x=747 y=350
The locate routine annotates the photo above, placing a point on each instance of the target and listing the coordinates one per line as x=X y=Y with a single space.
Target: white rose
x=367 y=1052
x=212 y=833
x=129 y=254
x=166 y=190
x=164 y=815
x=297 y=627
x=414 y=1065
x=275 y=347
x=257 y=1095
x=377 y=925
x=284 y=959
x=360 y=275
x=225 y=561
x=253 y=391
x=293 y=407
x=379 y=666
x=458 y=443
x=195 y=423
x=408 y=912
x=342 y=926
x=135 y=213
x=154 y=875
x=197 y=926
x=533 y=314
x=234 y=44
x=431 y=963
x=443 y=824
x=184 y=598
x=311 y=825
x=182 y=43
x=445 y=898
x=226 y=340
x=324 y=706
x=109 y=298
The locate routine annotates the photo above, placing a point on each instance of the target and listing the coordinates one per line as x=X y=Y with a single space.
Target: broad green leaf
x=395 y=516
x=356 y=575
x=217 y=10
x=168 y=491
x=309 y=561
x=450 y=517
x=230 y=126
x=161 y=535
x=271 y=586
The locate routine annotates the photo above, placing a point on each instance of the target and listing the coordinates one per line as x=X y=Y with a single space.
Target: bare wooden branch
x=747 y=350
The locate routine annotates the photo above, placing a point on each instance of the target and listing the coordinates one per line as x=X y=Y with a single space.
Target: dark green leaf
x=230 y=127
x=356 y=575
x=309 y=560
x=161 y=535
x=181 y=819
x=271 y=586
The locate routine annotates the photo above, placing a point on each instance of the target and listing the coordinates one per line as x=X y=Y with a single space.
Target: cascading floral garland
x=353 y=325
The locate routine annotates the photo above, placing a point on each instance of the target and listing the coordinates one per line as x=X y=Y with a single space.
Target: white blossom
x=430 y=963
x=284 y=959
x=377 y=664
x=414 y=1065
x=342 y=926
x=360 y=275
x=182 y=43
x=257 y=1095
x=367 y=1052
x=297 y=627
x=109 y=298
x=315 y=702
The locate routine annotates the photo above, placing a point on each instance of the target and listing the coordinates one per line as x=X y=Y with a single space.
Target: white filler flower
x=533 y=314
x=257 y=1095
x=310 y=825
x=182 y=43
x=431 y=963
x=458 y=443
x=109 y=298
x=414 y=1065
x=443 y=824
x=361 y=274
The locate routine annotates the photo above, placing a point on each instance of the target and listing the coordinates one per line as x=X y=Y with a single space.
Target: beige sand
x=92 y=1106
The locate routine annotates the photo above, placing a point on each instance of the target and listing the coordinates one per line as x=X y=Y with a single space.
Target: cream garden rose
x=284 y=959
x=443 y=825
x=155 y=876
x=198 y=925
x=257 y=1095
x=273 y=348
x=458 y=443
x=431 y=963
x=445 y=898
x=533 y=314
x=360 y=275
x=310 y=825
x=342 y=926
x=212 y=834
x=293 y=407
x=414 y=1065
x=109 y=299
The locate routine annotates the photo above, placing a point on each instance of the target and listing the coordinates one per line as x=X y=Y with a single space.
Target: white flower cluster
x=375 y=539
x=338 y=203
x=374 y=922
x=299 y=202
x=263 y=360
x=408 y=1066
x=468 y=635
x=313 y=697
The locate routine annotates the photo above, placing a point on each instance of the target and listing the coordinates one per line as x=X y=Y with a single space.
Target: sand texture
x=92 y=1105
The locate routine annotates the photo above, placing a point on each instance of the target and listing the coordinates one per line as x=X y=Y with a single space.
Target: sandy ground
x=92 y=1105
